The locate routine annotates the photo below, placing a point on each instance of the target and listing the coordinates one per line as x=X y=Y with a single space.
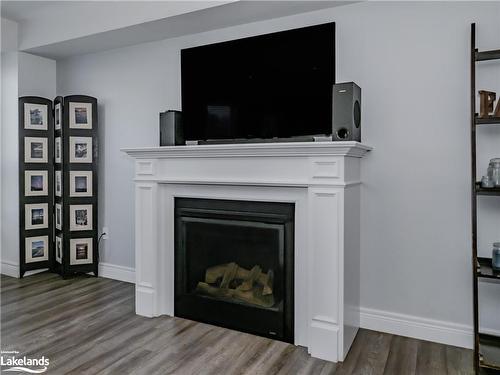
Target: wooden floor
x=87 y=325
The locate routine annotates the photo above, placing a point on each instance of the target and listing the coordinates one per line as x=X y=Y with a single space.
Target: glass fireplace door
x=234 y=265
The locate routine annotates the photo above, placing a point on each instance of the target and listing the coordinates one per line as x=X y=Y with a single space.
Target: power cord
x=98 y=248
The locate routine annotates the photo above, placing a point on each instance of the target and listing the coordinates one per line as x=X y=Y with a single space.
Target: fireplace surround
x=320 y=179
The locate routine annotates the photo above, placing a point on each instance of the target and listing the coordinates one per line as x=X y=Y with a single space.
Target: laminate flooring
x=87 y=325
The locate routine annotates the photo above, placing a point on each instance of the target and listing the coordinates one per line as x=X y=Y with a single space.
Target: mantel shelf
x=288 y=149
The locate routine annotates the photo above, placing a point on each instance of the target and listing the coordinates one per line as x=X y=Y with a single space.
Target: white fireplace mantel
x=322 y=179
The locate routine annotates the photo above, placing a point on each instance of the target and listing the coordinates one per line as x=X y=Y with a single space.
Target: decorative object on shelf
x=487 y=182
x=487 y=104
x=495 y=258
x=486 y=100
x=494 y=171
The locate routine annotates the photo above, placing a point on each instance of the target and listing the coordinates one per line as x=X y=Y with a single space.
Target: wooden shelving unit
x=488 y=55
x=488 y=121
x=489 y=352
x=484 y=269
x=486 y=191
x=486 y=347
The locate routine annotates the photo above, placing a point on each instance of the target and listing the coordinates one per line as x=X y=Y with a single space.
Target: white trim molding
x=417 y=327
x=116 y=272
x=490 y=331
x=9 y=268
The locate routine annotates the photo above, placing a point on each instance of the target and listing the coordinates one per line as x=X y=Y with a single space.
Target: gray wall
x=22 y=74
x=411 y=61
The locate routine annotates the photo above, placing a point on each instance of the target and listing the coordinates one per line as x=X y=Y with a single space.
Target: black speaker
x=171 y=131
x=346 y=117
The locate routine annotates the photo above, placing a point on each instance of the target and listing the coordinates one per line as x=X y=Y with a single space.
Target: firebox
x=234 y=265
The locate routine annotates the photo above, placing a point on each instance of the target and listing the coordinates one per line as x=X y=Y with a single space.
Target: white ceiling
x=48 y=22
x=20 y=10
x=60 y=29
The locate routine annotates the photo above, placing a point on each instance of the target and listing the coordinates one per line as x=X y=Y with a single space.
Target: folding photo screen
x=58 y=184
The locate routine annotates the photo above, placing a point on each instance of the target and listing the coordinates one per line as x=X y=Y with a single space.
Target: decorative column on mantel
x=321 y=178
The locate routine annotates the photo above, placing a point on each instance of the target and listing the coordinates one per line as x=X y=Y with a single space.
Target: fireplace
x=321 y=180
x=234 y=265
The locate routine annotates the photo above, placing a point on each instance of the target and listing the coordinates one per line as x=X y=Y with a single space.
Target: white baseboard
x=115 y=272
x=416 y=327
x=490 y=331
x=439 y=331
x=9 y=268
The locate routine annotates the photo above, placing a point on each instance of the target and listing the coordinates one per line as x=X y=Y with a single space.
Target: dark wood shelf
x=486 y=191
x=488 y=121
x=489 y=351
x=484 y=269
x=488 y=55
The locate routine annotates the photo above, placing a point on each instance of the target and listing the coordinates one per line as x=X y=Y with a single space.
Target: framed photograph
x=80 y=217
x=59 y=249
x=36 y=216
x=57 y=116
x=58 y=183
x=80 y=115
x=80 y=183
x=36 y=249
x=57 y=150
x=35 y=116
x=35 y=183
x=58 y=215
x=80 y=251
x=35 y=150
x=80 y=149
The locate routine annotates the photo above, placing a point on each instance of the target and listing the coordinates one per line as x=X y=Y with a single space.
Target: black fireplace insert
x=234 y=265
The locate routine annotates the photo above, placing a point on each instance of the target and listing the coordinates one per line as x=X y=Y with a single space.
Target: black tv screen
x=276 y=85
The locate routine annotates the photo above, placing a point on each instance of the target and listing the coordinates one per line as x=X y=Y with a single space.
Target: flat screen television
x=269 y=86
